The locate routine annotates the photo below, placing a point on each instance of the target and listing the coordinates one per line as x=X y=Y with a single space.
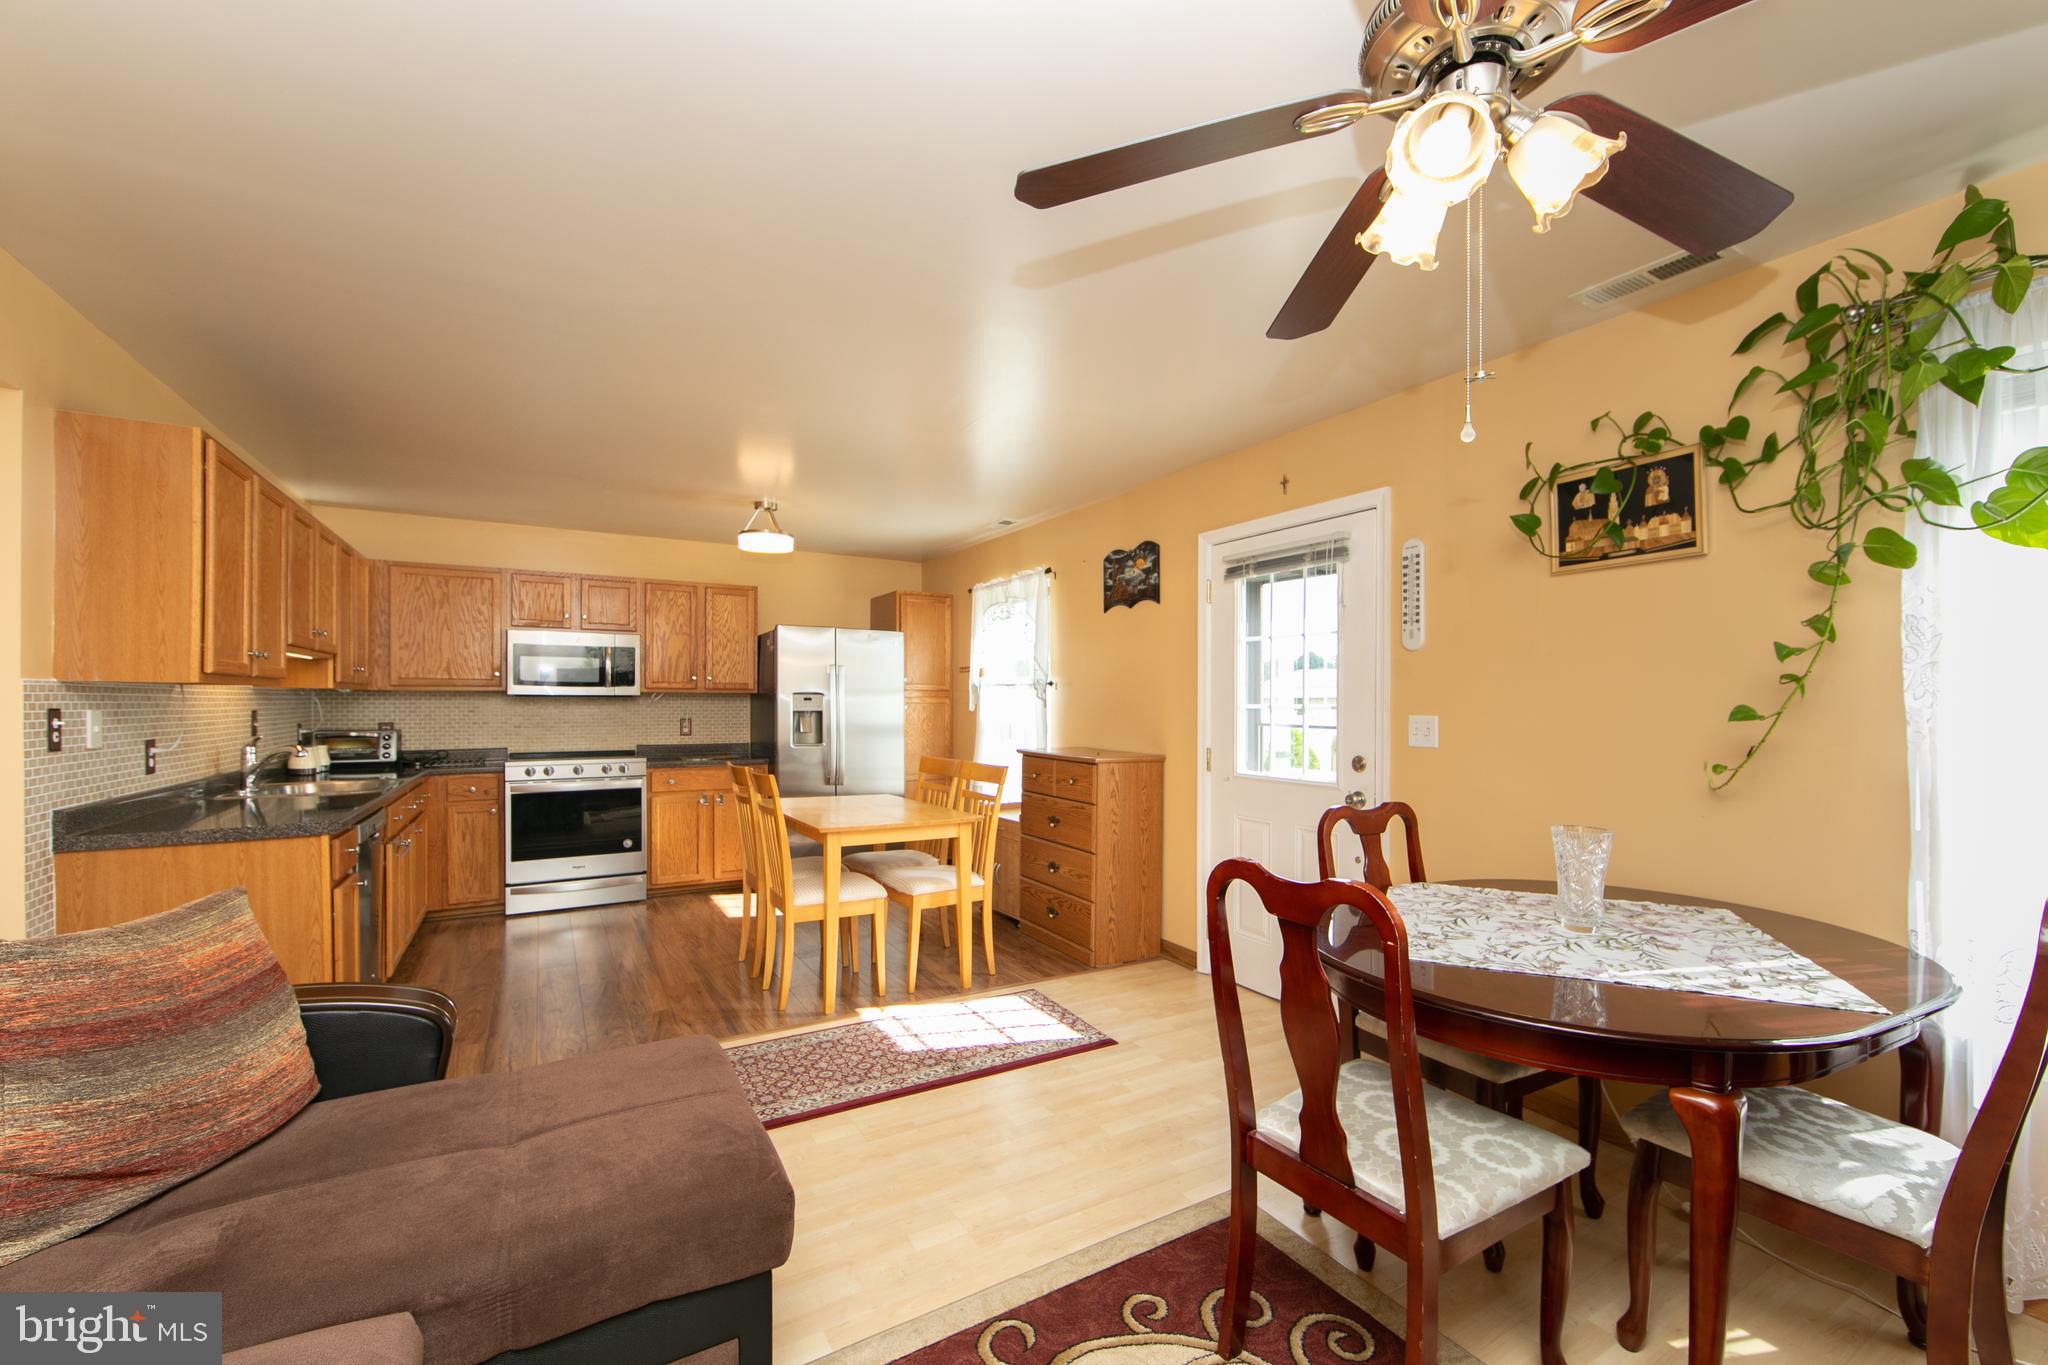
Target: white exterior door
x=1294 y=710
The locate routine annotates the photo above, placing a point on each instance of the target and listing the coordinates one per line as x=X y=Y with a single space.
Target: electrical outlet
x=1422 y=732
x=686 y=725
x=53 y=731
x=149 y=757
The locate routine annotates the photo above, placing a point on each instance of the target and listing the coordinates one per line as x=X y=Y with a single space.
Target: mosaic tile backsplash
x=201 y=730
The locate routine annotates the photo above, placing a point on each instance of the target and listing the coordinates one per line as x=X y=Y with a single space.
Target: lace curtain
x=1977 y=739
x=1010 y=670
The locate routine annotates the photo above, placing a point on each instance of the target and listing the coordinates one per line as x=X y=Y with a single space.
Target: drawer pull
x=1052 y=912
x=1052 y=822
x=1051 y=866
x=1070 y=782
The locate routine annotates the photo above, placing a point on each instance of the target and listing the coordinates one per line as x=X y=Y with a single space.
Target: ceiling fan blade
x=1689 y=195
x=1334 y=272
x=1680 y=14
x=1101 y=172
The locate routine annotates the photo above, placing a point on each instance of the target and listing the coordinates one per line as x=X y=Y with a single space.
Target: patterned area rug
x=1151 y=1297
x=905 y=1049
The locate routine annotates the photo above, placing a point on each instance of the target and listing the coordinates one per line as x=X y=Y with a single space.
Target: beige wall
x=1592 y=698
x=801 y=589
x=13 y=771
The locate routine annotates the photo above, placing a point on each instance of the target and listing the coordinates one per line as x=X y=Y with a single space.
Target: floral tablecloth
x=1638 y=943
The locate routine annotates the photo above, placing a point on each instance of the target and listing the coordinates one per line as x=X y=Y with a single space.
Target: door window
x=1288 y=621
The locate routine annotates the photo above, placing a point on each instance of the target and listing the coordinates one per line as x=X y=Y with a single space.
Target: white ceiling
x=624 y=266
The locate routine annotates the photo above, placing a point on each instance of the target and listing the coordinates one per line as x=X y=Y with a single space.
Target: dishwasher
x=369 y=834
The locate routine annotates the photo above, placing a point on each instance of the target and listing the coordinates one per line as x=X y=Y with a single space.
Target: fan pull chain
x=1467 y=433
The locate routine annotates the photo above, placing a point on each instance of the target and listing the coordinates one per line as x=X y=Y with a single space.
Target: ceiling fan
x=1453 y=73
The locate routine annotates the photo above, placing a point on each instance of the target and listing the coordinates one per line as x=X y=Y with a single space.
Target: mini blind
x=1295 y=557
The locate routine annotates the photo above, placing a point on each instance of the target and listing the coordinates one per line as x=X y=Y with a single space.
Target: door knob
x=1355 y=800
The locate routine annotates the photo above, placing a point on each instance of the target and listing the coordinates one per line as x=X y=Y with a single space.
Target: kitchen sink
x=327 y=786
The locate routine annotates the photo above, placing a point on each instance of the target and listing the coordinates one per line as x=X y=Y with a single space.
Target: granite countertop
x=211 y=811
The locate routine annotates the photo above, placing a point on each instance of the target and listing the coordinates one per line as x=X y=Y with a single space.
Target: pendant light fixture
x=765 y=540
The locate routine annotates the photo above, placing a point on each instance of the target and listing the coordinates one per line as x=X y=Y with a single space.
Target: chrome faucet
x=252 y=764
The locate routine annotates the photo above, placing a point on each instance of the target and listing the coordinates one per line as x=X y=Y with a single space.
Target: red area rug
x=1153 y=1296
x=905 y=1049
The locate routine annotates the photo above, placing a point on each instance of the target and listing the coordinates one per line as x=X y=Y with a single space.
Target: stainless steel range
x=575 y=829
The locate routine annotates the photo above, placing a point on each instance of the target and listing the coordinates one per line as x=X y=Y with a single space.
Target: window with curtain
x=1977 y=739
x=1010 y=671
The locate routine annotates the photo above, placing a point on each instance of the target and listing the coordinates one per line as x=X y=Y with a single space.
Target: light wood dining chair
x=986 y=777
x=753 y=908
x=938 y=782
x=919 y=888
x=1930 y=1213
x=1497 y=1084
x=1456 y=1176
x=796 y=894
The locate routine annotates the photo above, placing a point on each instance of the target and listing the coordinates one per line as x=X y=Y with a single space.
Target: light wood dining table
x=842 y=822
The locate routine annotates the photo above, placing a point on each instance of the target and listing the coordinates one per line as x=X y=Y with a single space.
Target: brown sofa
x=623 y=1207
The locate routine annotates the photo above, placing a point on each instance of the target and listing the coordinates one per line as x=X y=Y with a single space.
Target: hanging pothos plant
x=1861 y=351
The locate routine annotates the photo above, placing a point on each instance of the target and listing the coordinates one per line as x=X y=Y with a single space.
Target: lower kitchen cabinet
x=693 y=830
x=469 y=847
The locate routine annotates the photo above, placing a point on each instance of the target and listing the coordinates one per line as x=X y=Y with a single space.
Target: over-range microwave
x=571 y=663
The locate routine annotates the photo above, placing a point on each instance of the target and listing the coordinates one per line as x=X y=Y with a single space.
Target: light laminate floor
x=907 y=1205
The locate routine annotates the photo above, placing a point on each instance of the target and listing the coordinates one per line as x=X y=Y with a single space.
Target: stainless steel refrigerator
x=829 y=705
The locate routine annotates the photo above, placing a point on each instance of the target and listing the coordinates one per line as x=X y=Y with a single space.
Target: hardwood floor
x=535 y=988
x=905 y=1206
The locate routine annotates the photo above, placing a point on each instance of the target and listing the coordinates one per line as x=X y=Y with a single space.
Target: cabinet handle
x=1070 y=782
x=472 y=789
x=494 y=673
x=1052 y=912
x=671 y=781
x=1052 y=822
x=361 y=882
x=494 y=810
x=720 y=801
x=1052 y=866
x=702 y=799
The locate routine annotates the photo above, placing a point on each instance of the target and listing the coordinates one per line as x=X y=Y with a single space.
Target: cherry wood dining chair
x=1497 y=1084
x=1883 y=1192
x=1458 y=1176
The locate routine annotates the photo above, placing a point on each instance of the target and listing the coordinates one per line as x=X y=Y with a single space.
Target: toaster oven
x=356 y=748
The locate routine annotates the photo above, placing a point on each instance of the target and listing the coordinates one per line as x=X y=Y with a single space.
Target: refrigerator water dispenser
x=806 y=719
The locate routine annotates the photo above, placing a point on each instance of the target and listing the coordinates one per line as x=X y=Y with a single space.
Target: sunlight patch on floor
x=987 y=1022
x=727 y=903
x=1740 y=1343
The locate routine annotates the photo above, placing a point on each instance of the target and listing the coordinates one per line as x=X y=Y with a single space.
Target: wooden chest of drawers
x=1089 y=853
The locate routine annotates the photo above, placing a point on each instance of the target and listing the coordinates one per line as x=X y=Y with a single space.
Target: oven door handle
x=605 y=784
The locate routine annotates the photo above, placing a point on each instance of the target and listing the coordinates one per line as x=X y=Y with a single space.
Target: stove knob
x=529 y=772
x=548 y=771
x=578 y=770
x=606 y=768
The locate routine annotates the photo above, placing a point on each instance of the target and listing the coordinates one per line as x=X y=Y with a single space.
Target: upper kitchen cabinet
x=569 y=602
x=697 y=637
x=444 y=628
x=313 y=562
x=352 y=619
x=535 y=600
x=169 y=557
x=609 y=604
x=926 y=620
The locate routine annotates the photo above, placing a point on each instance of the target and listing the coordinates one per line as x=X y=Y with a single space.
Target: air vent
x=1621 y=286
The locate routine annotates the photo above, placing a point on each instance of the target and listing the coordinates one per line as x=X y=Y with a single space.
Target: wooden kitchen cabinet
x=730 y=641
x=540 y=600
x=693 y=832
x=671 y=636
x=302 y=580
x=351 y=620
x=244 y=631
x=469 y=842
x=609 y=604
x=445 y=628
x=926 y=620
x=326 y=592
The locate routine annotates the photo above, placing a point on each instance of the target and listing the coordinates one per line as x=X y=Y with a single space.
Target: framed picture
x=1657 y=504
x=1131 y=576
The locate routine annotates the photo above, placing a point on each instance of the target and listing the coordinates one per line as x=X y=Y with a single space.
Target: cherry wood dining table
x=1704 y=1049
x=842 y=822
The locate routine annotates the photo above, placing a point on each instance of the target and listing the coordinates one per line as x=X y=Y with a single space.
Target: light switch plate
x=1422 y=732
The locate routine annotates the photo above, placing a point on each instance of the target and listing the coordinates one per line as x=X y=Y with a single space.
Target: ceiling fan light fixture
x=1554 y=159
x=1405 y=231
x=1444 y=150
x=765 y=540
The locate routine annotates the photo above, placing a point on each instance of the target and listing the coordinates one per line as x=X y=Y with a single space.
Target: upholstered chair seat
x=807 y=885
x=924 y=881
x=875 y=861
x=1822 y=1152
x=1456 y=1058
x=1485 y=1161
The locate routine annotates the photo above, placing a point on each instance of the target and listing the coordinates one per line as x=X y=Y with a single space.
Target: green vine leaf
x=2009 y=286
x=1822 y=625
x=2014 y=516
x=1745 y=712
x=1528 y=523
x=2029 y=473
x=1760 y=331
x=1604 y=483
x=1931 y=482
x=1814 y=321
x=1887 y=547
x=1976 y=220
x=1919 y=376
x=1785 y=651
x=1811 y=375
x=1827 y=571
